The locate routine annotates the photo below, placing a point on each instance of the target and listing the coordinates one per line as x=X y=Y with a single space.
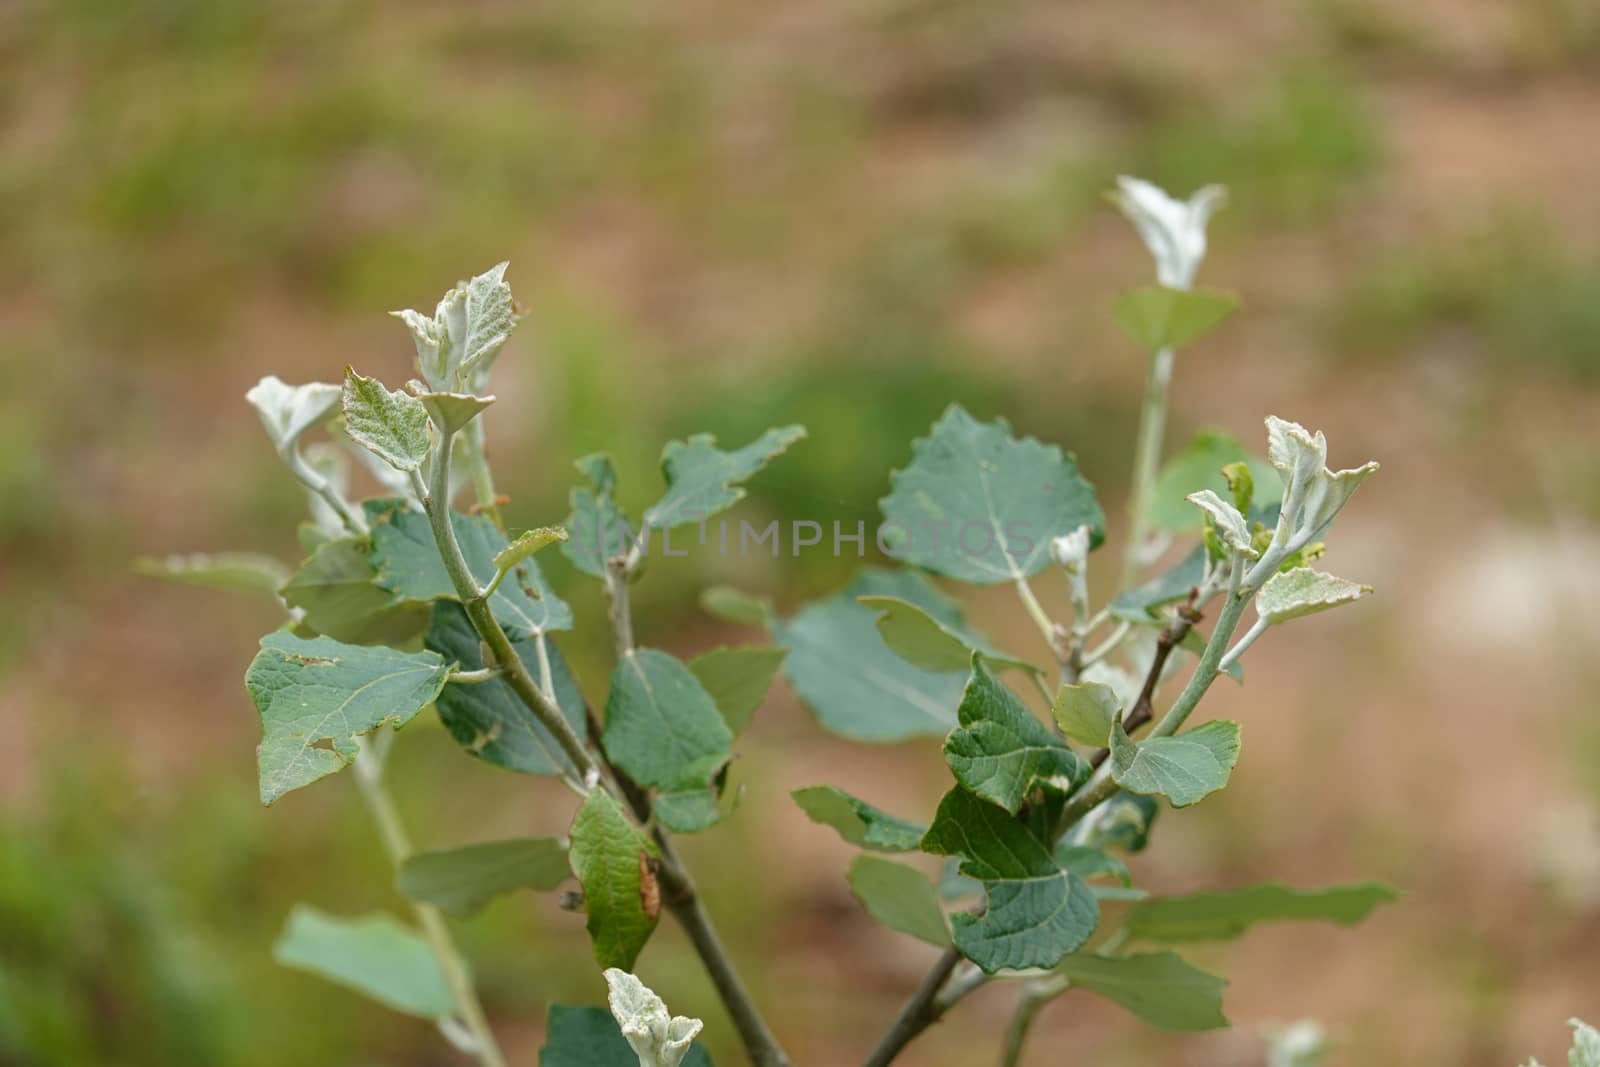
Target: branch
x=1172 y=636
x=920 y=1012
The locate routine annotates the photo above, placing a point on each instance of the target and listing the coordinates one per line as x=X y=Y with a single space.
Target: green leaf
x=900 y=898
x=1158 y=317
x=239 y=572
x=373 y=955
x=1140 y=603
x=923 y=641
x=600 y=531
x=1123 y=822
x=981 y=506
x=1303 y=591
x=288 y=411
x=336 y=589
x=1184 y=769
x=1199 y=465
x=461 y=881
x=688 y=811
x=857 y=821
x=1087 y=862
x=450 y=412
x=1159 y=988
x=316 y=697
x=1223 y=915
x=1037 y=912
x=391 y=425
x=488 y=719
x=614 y=862
x=590 y=1037
x=526 y=544
x=703 y=480
x=738 y=680
x=662 y=727
x=851 y=680
x=735 y=605
x=1001 y=751
x=1085 y=712
x=408 y=564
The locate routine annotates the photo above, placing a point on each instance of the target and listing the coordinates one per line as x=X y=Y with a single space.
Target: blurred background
x=723 y=216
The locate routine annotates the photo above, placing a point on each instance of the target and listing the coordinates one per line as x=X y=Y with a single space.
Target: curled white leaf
x=1072 y=550
x=288 y=411
x=1304 y=591
x=657 y=1038
x=1312 y=493
x=1230 y=523
x=1174 y=230
x=457 y=345
x=1300 y=1044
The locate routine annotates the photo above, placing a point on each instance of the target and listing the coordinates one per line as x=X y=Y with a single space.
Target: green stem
x=392 y=831
x=1035 y=995
x=1146 y=462
x=488 y=627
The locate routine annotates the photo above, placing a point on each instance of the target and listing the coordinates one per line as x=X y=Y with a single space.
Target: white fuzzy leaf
x=288 y=411
x=1303 y=591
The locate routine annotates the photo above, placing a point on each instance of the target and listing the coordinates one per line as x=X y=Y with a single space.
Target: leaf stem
x=1244 y=643
x=1146 y=461
x=320 y=485
x=1035 y=995
x=396 y=842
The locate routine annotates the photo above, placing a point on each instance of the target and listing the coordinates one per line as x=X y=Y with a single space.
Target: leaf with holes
x=315 y=697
